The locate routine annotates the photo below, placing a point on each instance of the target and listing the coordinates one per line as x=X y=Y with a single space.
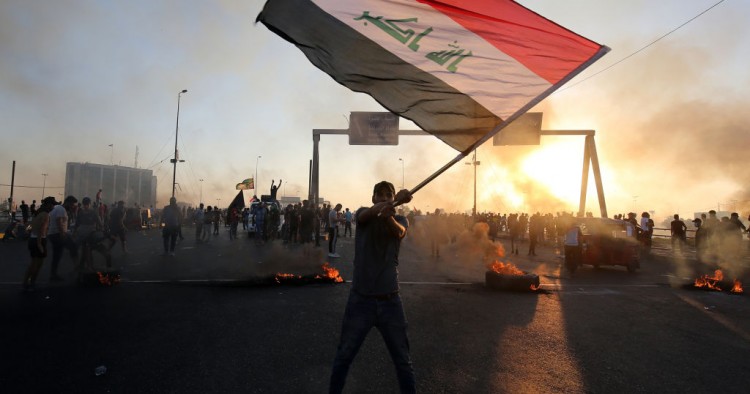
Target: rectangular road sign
x=523 y=131
x=373 y=128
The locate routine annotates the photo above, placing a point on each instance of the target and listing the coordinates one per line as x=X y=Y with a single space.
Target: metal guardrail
x=667 y=232
x=5 y=218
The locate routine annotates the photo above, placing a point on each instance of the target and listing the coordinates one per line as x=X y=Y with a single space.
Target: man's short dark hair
x=383 y=184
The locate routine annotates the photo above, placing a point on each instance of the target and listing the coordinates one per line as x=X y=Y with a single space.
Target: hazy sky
x=76 y=76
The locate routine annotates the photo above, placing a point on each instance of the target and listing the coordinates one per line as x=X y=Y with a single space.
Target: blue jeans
x=362 y=314
x=170 y=233
x=333 y=235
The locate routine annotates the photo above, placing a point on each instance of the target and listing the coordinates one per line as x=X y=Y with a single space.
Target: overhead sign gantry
x=382 y=128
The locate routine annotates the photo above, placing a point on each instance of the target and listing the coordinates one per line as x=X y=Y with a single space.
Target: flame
x=280 y=276
x=108 y=279
x=504 y=268
x=737 y=288
x=709 y=282
x=330 y=273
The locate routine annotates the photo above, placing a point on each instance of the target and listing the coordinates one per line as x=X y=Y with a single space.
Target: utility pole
x=402 y=173
x=474 y=163
x=176 y=130
x=12 y=183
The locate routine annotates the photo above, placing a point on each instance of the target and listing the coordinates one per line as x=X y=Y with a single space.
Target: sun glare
x=503 y=193
x=557 y=166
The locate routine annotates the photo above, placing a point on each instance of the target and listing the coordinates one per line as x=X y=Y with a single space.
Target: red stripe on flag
x=544 y=47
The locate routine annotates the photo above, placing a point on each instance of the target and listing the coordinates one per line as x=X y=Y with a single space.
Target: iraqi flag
x=456 y=68
x=246 y=184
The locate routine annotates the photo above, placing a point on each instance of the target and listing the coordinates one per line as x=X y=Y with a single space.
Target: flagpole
x=601 y=52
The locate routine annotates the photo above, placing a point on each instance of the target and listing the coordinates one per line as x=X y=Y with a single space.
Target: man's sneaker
x=333 y=255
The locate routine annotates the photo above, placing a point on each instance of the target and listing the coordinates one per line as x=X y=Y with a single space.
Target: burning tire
x=99 y=279
x=525 y=282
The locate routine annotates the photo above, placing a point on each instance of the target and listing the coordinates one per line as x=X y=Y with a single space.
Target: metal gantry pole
x=315 y=170
x=597 y=175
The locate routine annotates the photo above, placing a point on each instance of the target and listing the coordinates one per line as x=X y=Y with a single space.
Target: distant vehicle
x=254 y=206
x=133 y=219
x=605 y=242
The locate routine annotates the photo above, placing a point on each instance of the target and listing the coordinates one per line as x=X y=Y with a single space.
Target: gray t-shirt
x=376 y=257
x=58 y=212
x=333 y=218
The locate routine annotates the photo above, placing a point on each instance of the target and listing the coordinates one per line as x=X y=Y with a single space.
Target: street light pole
x=475 y=163
x=402 y=172
x=201 y=197
x=176 y=131
x=255 y=181
x=44 y=184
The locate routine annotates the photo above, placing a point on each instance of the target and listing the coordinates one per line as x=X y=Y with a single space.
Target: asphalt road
x=200 y=322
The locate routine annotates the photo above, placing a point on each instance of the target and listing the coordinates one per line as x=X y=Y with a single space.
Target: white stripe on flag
x=489 y=76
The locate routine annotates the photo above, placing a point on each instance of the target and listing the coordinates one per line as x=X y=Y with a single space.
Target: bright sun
x=554 y=166
x=557 y=166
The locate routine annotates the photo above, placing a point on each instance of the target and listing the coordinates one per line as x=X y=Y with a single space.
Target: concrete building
x=132 y=185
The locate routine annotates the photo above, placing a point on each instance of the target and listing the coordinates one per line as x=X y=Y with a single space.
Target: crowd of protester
x=93 y=226
x=712 y=236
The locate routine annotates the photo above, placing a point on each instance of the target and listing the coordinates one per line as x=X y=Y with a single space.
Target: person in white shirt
x=59 y=236
x=647 y=228
x=333 y=230
x=198 y=217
